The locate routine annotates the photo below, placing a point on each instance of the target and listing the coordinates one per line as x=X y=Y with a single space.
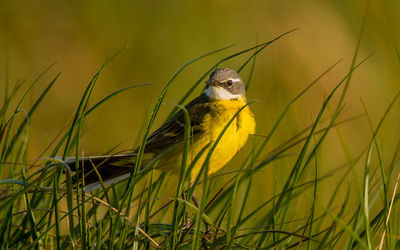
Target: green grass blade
x=4 y=151
x=180 y=187
x=30 y=114
x=85 y=99
x=366 y=172
x=190 y=91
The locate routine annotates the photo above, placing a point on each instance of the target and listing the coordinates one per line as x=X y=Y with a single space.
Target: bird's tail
x=106 y=169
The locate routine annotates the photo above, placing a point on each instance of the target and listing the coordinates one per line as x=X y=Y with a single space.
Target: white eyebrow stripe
x=235 y=79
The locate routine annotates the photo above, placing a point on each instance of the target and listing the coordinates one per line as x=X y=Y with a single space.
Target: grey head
x=225 y=84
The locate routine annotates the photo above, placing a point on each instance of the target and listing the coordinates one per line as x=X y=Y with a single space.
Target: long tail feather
x=107 y=169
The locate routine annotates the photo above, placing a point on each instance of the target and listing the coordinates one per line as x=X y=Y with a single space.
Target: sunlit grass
x=43 y=206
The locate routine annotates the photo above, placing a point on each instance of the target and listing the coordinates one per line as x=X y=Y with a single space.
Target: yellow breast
x=219 y=113
x=234 y=138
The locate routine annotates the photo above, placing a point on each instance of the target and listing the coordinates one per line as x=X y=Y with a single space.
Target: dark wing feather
x=173 y=131
x=170 y=133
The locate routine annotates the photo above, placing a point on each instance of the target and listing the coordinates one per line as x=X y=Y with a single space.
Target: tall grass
x=43 y=206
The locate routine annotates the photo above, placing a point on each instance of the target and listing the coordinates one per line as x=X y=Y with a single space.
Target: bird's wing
x=173 y=131
x=113 y=167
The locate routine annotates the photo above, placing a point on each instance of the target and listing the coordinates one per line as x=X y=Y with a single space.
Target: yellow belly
x=213 y=123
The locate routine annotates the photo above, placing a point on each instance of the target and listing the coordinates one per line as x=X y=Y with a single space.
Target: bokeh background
x=163 y=35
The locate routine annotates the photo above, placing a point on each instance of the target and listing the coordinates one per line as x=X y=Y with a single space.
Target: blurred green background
x=163 y=35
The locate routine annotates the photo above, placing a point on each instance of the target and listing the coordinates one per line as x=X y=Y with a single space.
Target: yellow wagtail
x=209 y=114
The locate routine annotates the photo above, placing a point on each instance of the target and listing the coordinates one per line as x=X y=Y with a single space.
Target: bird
x=223 y=100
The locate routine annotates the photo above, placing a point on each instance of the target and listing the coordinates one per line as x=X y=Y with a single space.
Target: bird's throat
x=220 y=93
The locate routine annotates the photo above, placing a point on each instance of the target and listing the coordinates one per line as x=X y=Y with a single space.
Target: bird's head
x=225 y=84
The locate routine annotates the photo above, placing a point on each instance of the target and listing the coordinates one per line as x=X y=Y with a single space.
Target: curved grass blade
x=93 y=108
x=175 y=237
x=30 y=114
x=4 y=154
x=250 y=77
x=190 y=91
x=366 y=173
x=84 y=101
x=7 y=101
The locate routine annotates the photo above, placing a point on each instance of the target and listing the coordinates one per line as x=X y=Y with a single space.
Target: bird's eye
x=229 y=83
